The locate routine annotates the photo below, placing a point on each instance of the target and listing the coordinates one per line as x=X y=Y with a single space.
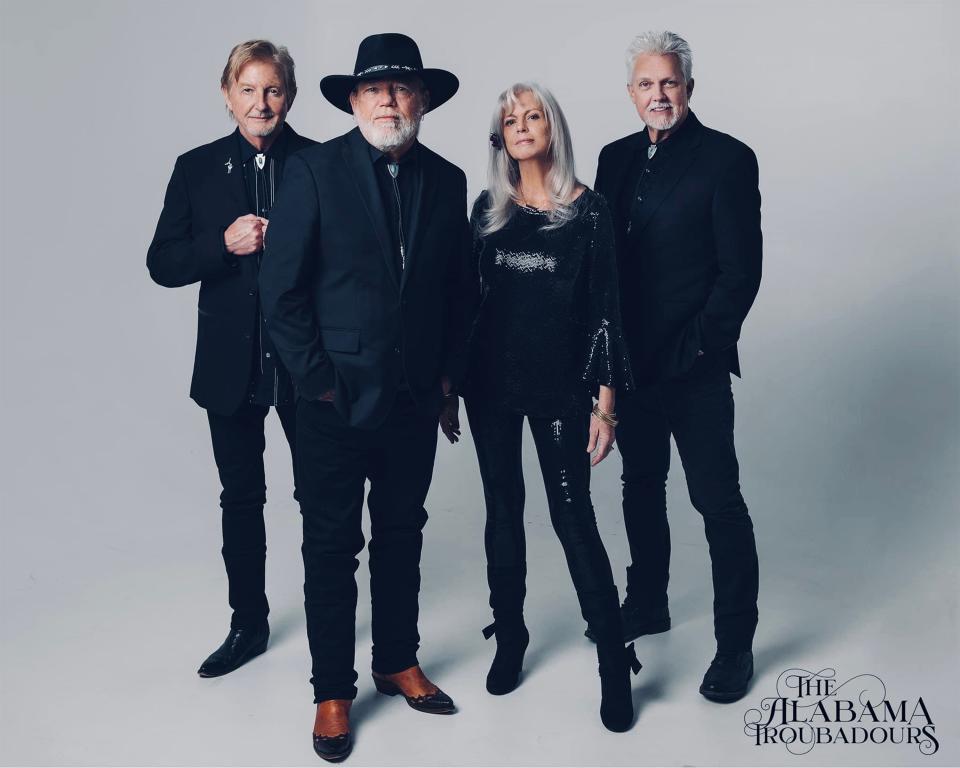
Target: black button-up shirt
x=400 y=196
x=270 y=383
x=644 y=173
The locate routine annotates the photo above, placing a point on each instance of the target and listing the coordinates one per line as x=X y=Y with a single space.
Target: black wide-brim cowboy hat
x=386 y=56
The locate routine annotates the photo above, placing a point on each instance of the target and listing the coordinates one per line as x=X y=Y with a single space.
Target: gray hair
x=662 y=43
x=503 y=172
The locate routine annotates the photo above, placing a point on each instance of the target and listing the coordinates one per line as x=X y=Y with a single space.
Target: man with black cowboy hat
x=361 y=283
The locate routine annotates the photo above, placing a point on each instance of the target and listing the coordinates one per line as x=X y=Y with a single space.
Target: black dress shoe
x=727 y=678
x=333 y=749
x=240 y=646
x=636 y=624
x=436 y=703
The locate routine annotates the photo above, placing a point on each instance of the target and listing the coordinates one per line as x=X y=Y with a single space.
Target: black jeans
x=334 y=461
x=697 y=409
x=565 y=466
x=238 y=445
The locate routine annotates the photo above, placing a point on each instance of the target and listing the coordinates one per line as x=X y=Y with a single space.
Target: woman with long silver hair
x=545 y=341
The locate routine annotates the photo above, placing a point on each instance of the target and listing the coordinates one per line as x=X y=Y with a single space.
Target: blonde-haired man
x=211 y=231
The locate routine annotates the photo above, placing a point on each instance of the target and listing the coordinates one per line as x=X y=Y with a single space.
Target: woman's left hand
x=602 y=437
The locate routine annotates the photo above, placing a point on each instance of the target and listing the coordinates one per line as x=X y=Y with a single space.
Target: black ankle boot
x=616 y=698
x=601 y=609
x=504 y=674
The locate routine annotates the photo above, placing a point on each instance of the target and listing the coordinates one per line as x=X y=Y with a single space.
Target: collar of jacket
x=688 y=130
x=277 y=150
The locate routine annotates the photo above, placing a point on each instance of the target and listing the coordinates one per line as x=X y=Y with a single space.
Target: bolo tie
x=394 y=170
x=638 y=192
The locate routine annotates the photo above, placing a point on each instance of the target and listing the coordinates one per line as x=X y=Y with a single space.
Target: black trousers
x=697 y=409
x=334 y=461
x=238 y=446
x=565 y=465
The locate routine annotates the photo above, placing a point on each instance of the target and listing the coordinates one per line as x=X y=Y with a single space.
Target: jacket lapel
x=357 y=157
x=679 y=161
x=231 y=170
x=426 y=193
x=618 y=174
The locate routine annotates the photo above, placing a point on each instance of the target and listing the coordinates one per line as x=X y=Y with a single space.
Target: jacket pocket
x=340 y=339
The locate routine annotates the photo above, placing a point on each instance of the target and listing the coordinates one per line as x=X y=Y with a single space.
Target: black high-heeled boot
x=504 y=674
x=601 y=609
x=507 y=591
x=616 y=698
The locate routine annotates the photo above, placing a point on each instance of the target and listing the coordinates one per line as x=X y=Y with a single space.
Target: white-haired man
x=686 y=208
x=362 y=291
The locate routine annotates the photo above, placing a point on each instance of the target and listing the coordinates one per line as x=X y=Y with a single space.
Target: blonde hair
x=261 y=50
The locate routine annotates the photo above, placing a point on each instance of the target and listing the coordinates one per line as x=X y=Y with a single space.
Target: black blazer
x=690 y=264
x=205 y=195
x=338 y=312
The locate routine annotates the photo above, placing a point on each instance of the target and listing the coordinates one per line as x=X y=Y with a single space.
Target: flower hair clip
x=495 y=141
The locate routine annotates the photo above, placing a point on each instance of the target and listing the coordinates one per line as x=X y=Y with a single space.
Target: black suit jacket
x=338 y=312
x=206 y=194
x=690 y=263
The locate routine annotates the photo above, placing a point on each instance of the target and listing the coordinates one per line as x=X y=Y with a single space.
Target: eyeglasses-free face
x=257 y=101
x=526 y=133
x=659 y=92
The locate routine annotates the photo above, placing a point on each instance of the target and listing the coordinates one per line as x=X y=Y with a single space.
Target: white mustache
x=656 y=104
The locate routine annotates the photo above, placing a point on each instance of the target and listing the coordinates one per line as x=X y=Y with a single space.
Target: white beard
x=663 y=121
x=389 y=137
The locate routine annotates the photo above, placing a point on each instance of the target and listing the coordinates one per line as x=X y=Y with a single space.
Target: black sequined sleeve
x=476 y=219
x=607 y=360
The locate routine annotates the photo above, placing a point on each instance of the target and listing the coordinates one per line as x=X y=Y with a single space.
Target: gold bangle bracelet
x=606 y=418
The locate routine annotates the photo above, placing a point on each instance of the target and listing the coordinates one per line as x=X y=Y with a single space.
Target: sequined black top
x=547 y=332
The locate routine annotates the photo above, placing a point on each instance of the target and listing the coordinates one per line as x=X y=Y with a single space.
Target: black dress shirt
x=270 y=383
x=645 y=173
x=400 y=195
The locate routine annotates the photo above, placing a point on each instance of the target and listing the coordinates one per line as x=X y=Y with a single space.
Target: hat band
x=381 y=67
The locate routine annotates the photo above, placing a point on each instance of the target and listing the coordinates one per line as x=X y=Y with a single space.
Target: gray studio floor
x=109 y=614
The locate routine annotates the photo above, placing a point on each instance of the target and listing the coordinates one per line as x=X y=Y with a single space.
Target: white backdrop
x=848 y=414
